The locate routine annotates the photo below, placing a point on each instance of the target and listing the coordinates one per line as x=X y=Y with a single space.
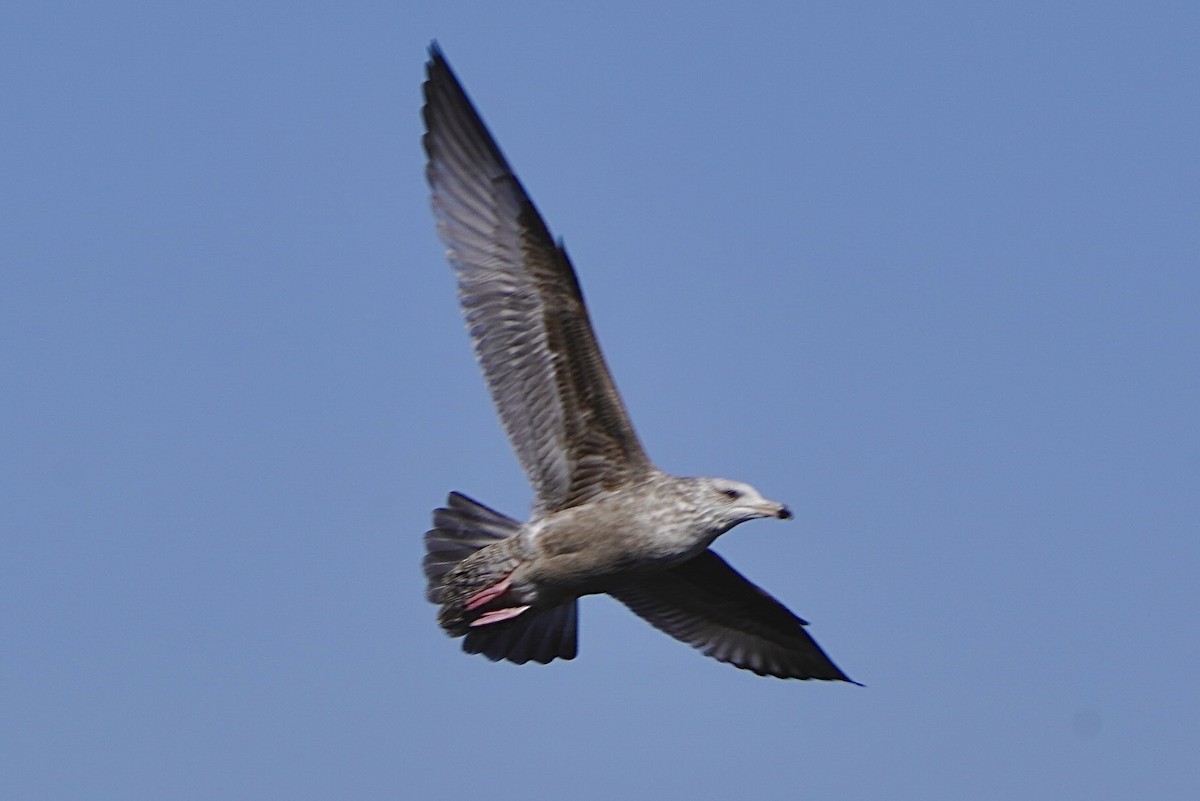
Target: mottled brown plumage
x=605 y=519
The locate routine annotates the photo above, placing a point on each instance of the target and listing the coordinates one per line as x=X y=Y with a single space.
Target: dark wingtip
x=785 y=513
x=437 y=59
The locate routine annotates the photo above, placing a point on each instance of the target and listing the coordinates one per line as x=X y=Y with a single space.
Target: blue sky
x=929 y=273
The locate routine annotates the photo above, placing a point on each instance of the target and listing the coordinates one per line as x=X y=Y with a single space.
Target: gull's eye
x=731 y=494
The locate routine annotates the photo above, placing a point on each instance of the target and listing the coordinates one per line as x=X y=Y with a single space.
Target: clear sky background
x=929 y=273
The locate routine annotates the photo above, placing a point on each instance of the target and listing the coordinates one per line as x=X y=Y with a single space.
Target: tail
x=462 y=528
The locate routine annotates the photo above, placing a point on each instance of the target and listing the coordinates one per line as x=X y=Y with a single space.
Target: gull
x=605 y=519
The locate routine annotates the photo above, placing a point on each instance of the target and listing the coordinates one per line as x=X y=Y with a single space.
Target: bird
x=605 y=519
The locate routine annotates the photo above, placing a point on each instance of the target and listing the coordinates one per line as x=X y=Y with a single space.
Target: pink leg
x=490 y=594
x=496 y=615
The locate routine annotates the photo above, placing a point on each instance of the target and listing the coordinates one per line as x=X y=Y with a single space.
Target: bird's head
x=732 y=502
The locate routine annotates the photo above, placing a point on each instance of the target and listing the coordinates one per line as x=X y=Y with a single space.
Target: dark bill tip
x=784 y=513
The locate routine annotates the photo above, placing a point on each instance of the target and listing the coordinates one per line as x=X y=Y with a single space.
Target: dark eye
x=731 y=494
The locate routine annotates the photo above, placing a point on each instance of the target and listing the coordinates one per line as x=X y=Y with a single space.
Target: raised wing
x=710 y=606
x=525 y=312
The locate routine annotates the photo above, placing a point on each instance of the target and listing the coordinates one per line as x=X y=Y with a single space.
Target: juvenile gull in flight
x=605 y=519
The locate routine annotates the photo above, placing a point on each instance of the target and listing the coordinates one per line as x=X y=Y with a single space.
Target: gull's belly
x=581 y=553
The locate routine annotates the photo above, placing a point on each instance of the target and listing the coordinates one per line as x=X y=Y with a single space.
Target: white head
x=732 y=502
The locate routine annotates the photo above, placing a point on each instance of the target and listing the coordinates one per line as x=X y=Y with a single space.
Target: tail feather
x=460 y=529
x=543 y=637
